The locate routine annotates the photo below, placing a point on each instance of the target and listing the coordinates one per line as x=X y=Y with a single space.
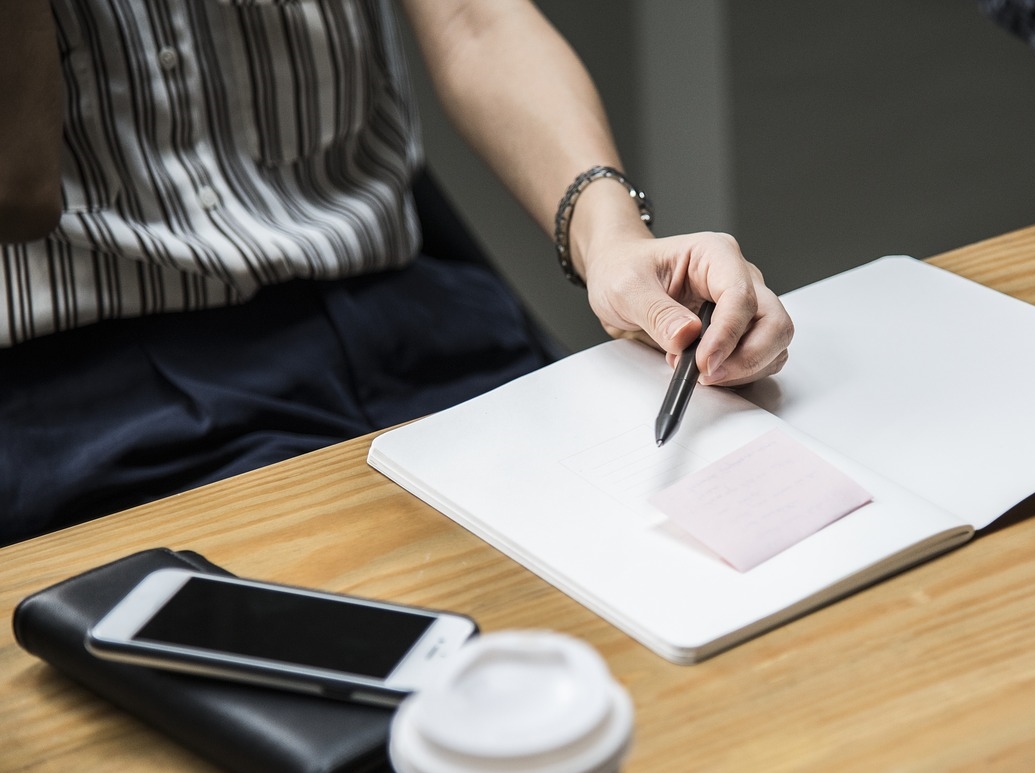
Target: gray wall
x=822 y=134
x=868 y=127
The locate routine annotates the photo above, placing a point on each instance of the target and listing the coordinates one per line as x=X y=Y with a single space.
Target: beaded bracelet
x=562 y=222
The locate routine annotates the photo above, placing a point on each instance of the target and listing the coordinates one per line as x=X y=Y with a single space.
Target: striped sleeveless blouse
x=215 y=146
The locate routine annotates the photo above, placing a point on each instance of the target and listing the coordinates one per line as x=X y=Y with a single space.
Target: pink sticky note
x=760 y=500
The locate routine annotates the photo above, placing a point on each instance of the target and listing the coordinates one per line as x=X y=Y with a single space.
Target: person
x=211 y=258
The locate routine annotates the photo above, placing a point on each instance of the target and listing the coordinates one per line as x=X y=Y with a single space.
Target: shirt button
x=208 y=198
x=168 y=58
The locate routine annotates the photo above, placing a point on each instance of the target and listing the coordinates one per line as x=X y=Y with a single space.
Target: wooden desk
x=933 y=670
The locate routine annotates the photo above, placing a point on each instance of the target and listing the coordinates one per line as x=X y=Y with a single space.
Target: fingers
x=736 y=308
x=654 y=297
x=647 y=314
x=759 y=352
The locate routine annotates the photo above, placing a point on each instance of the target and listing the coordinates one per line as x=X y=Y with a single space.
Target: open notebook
x=914 y=382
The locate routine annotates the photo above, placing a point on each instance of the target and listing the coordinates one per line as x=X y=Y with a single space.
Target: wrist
x=608 y=215
x=609 y=205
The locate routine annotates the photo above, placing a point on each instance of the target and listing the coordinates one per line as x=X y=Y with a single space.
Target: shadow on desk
x=1022 y=511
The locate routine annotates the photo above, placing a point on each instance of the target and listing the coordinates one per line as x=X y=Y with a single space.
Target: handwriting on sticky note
x=760 y=500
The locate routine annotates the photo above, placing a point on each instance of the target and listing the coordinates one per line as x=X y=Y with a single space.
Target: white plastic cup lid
x=522 y=700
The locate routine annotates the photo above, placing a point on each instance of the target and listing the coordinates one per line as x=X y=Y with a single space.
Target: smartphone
x=280 y=636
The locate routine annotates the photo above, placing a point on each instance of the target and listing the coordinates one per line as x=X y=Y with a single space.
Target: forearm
x=522 y=99
x=30 y=121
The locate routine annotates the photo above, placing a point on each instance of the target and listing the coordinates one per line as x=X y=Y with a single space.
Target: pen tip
x=660 y=442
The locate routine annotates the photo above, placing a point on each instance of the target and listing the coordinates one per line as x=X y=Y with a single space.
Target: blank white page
x=556 y=469
x=919 y=374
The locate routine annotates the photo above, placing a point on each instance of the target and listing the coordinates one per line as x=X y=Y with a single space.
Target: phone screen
x=287 y=627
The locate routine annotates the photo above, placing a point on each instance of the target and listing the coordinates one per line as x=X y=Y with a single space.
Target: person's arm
x=30 y=121
x=522 y=99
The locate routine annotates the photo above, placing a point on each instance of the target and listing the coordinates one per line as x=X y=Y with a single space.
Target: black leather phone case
x=239 y=727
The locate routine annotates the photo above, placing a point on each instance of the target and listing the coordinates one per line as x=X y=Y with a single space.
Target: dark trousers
x=123 y=412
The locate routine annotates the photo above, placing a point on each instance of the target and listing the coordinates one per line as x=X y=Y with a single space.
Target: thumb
x=672 y=326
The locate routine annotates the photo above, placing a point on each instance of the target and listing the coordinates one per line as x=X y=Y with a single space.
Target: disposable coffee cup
x=527 y=701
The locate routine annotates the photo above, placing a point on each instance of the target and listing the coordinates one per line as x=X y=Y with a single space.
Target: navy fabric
x=113 y=415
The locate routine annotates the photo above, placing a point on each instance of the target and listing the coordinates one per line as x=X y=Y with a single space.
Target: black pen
x=684 y=379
